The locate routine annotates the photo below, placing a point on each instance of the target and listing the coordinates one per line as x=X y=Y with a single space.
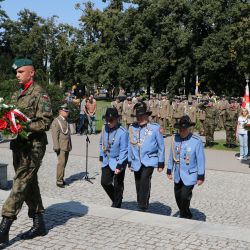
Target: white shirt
x=241 y=121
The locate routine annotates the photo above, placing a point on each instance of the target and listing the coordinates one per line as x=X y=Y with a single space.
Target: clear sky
x=64 y=9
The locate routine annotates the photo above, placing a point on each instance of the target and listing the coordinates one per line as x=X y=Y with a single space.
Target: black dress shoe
x=60 y=185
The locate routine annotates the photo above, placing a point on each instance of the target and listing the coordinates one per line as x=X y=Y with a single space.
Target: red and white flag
x=246 y=102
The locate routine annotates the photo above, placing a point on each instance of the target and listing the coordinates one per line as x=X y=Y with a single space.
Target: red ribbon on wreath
x=12 y=115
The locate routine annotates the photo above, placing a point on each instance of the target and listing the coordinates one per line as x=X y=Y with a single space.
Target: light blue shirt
x=114 y=147
x=146 y=146
x=187 y=159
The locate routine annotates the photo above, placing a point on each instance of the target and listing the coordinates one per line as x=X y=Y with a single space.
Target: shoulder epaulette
x=122 y=128
x=196 y=137
x=154 y=123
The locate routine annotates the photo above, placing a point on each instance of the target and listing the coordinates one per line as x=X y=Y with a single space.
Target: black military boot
x=38 y=228
x=4 y=229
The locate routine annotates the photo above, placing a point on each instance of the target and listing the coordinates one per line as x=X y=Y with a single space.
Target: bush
x=56 y=96
x=7 y=88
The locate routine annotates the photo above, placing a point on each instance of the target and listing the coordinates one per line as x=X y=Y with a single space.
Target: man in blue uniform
x=113 y=155
x=187 y=160
x=146 y=152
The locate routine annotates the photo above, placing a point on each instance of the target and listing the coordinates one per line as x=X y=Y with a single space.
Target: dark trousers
x=113 y=184
x=143 y=186
x=183 y=195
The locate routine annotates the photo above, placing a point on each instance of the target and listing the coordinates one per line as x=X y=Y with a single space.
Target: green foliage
x=152 y=43
x=56 y=96
x=7 y=88
x=74 y=112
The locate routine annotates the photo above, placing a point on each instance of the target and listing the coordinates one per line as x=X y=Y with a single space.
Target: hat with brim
x=140 y=109
x=64 y=107
x=22 y=62
x=184 y=122
x=111 y=114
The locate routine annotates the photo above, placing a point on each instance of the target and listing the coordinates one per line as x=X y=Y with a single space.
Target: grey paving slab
x=68 y=230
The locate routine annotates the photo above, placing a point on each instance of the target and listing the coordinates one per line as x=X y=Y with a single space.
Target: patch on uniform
x=46 y=107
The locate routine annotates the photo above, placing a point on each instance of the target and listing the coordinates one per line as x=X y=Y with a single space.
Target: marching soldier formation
x=207 y=112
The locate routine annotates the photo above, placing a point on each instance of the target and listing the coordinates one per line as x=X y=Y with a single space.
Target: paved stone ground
x=223 y=199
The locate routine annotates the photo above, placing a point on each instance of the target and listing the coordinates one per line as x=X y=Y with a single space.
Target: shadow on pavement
x=56 y=215
x=154 y=207
x=197 y=214
x=78 y=177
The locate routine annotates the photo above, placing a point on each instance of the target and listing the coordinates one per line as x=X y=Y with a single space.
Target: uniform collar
x=186 y=138
x=110 y=130
x=26 y=87
x=62 y=117
x=144 y=125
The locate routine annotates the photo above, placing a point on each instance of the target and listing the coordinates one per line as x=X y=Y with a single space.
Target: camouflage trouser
x=26 y=160
x=221 y=122
x=153 y=118
x=62 y=158
x=202 y=130
x=209 y=132
x=230 y=135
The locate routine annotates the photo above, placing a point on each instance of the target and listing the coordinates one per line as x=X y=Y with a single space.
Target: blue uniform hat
x=22 y=62
x=141 y=109
x=111 y=114
x=185 y=122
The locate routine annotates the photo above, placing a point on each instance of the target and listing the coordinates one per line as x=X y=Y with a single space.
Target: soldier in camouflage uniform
x=177 y=111
x=164 y=111
x=128 y=110
x=210 y=122
x=222 y=105
x=33 y=101
x=190 y=110
x=231 y=120
x=154 y=108
x=118 y=105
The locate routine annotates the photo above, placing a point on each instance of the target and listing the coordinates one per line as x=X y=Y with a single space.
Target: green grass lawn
x=220 y=145
x=100 y=111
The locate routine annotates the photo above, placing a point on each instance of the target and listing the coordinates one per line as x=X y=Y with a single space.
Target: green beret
x=22 y=62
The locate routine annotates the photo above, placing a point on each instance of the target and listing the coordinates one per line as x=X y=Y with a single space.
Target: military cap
x=64 y=107
x=163 y=94
x=129 y=98
x=138 y=94
x=22 y=62
x=154 y=95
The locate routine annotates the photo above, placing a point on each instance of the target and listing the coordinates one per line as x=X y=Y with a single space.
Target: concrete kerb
x=176 y=224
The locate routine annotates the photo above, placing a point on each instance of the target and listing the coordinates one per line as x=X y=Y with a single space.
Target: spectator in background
x=242 y=134
x=83 y=116
x=90 y=111
x=69 y=98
